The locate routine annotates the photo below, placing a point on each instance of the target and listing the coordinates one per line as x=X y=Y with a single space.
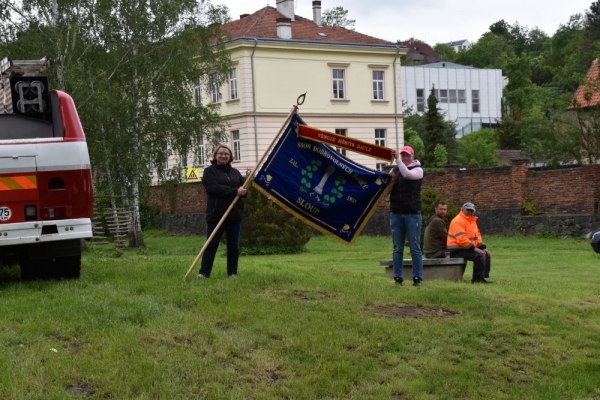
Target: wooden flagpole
x=248 y=180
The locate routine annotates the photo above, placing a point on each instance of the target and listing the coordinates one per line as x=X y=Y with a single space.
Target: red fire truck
x=46 y=202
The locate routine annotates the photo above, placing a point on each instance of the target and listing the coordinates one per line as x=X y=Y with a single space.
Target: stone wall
x=568 y=197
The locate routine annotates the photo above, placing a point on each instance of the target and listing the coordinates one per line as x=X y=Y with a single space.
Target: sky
x=433 y=21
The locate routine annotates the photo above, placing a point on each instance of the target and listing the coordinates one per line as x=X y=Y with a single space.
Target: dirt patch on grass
x=297 y=294
x=417 y=312
x=310 y=294
x=80 y=390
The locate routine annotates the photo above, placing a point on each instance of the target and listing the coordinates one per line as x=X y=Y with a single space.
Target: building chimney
x=317 y=13
x=284 y=28
x=286 y=7
x=244 y=15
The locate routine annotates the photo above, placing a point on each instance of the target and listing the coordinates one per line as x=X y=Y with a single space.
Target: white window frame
x=378 y=85
x=443 y=98
x=452 y=96
x=197 y=95
x=165 y=166
x=420 y=100
x=380 y=137
x=236 y=147
x=214 y=88
x=338 y=82
x=233 y=86
x=343 y=132
x=380 y=166
x=201 y=152
x=475 y=101
x=462 y=96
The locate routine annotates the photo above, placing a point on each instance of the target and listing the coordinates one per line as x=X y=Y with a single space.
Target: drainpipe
x=396 y=97
x=254 y=101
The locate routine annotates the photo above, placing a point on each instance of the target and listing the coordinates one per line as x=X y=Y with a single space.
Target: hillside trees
x=445 y=52
x=543 y=73
x=130 y=67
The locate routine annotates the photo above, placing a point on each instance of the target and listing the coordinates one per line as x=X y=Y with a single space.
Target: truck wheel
x=28 y=270
x=36 y=269
x=67 y=267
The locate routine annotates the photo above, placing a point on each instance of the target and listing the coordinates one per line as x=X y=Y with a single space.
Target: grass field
x=323 y=324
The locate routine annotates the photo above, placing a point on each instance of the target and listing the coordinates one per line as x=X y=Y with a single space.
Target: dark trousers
x=437 y=254
x=232 y=229
x=481 y=263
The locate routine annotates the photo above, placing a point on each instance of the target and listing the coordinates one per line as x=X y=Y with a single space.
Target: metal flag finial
x=301 y=99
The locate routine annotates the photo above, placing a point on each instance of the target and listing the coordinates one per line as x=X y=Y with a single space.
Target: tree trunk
x=136 y=239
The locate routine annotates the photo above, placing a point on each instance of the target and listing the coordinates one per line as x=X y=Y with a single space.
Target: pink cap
x=407 y=149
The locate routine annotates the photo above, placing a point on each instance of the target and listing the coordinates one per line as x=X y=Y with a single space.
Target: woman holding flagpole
x=405 y=215
x=223 y=184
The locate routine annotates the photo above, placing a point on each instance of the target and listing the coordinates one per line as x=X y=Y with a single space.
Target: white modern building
x=471 y=97
x=459 y=45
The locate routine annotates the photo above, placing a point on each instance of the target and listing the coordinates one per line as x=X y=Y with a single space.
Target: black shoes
x=479 y=280
x=399 y=281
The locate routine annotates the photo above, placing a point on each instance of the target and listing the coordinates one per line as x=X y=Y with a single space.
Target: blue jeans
x=404 y=225
x=233 y=230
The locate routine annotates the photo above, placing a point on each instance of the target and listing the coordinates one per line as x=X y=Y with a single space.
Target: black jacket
x=221 y=183
x=405 y=197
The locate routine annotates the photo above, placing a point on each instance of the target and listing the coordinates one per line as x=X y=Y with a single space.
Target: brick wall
x=186 y=198
x=570 y=190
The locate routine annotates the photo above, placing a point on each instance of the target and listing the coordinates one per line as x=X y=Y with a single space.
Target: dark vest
x=406 y=194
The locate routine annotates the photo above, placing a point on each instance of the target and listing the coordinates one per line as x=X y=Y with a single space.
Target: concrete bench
x=448 y=269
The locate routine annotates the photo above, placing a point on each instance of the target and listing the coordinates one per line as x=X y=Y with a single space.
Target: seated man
x=436 y=234
x=464 y=241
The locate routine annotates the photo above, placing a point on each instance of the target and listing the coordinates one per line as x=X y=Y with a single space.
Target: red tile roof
x=419 y=51
x=588 y=94
x=262 y=25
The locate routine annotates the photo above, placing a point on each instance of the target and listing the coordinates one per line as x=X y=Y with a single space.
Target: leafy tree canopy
x=338 y=16
x=478 y=149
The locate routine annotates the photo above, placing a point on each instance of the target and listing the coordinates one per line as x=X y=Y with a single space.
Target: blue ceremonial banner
x=320 y=186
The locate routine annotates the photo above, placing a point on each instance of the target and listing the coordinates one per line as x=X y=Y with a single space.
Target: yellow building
x=351 y=80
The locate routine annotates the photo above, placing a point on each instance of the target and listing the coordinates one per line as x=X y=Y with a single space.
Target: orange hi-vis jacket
x=464 y=233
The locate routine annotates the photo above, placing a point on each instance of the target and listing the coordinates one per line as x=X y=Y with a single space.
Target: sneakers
x=416 y=282
x=234 y=276
x=398 y=281
x=200 y=276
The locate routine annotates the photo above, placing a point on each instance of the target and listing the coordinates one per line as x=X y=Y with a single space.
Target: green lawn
x=323 y=324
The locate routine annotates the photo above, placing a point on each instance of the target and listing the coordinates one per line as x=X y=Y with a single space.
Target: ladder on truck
x=22 y=68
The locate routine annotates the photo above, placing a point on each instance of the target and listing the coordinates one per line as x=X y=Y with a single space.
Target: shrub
x=268 y=229
x=530 y=208
x=429 y=198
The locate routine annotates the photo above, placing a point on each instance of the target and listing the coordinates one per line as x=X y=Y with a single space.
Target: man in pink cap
x=405 y=216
